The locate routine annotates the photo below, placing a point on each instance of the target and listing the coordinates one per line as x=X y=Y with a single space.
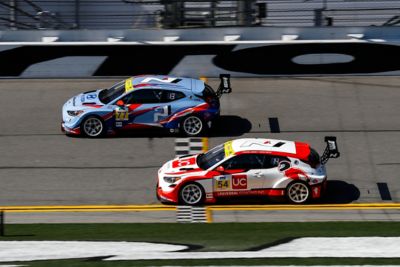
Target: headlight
x=74 y=112
x=171 y=179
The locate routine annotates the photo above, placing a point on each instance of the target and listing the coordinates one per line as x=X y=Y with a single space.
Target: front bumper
x=70 y=131
x=167 y=197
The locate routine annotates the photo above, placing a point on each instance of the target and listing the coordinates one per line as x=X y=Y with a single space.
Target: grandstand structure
x=142 y=14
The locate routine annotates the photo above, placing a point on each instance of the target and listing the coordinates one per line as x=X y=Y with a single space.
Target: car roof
x=275 y=147
x=164 y=82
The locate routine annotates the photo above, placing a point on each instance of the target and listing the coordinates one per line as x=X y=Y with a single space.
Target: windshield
x=108 y=95
x=211 y=157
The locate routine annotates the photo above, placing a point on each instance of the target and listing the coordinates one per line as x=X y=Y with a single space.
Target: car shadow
x=338 y=192
x=230 y=125
x=224 y=126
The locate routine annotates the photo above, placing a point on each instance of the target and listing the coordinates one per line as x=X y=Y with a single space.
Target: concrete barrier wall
x=239 y=51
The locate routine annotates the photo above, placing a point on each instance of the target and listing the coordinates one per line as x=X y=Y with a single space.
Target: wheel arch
x=301 y=182
x=86 y=116
x=203 y=197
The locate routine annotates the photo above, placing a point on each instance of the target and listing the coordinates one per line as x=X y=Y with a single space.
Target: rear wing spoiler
x=331 y=150
x=225 y=85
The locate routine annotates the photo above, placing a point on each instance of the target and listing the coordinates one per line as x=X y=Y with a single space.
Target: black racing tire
x=93 y=126
x=298 y=192
x=192 y=126
x=191 y=194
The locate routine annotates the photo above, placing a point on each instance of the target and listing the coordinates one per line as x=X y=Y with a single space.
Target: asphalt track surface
x=41 y=166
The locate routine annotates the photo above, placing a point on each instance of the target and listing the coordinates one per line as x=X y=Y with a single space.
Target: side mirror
x=220 y=169
x=120 y=103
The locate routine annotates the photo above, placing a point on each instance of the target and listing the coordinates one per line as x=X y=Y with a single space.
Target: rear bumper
x=318 y=190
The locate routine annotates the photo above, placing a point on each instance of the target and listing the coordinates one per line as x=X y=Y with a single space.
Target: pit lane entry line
x=133 y=208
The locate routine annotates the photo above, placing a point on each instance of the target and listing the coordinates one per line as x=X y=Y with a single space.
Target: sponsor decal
x=316 y=192
x=128 y=85
x=91 y=96
x=228 y=149
x=259 y=192
x=183 y=162
x=164 y=80
x=239 y=182
x=267 y=144
x=283 y=166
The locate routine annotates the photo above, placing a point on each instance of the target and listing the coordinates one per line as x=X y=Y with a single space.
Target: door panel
x=161 y=113
x=121 y=116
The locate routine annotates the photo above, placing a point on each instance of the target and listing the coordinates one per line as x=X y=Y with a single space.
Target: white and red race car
x=247 y=167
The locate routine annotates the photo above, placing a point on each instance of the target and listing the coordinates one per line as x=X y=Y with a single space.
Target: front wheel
x=92 y=126
x=192 y=126
x=298 y=193
x=191 y=194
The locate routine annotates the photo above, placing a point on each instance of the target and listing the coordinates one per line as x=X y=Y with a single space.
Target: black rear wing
x=331 y=150
x=225 y=85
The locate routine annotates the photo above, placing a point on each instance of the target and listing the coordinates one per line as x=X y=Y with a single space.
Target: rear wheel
x=92 y=126
x=191 y=194
x=192 y=126
x=298 y=192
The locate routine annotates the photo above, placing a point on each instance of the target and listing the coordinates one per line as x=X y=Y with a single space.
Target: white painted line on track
x=341 y=247
x=52 y=250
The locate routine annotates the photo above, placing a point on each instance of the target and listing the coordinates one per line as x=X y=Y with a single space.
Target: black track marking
x=274 y=125
x=384 y=191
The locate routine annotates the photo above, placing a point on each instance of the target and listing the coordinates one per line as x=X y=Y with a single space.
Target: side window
x=272 y=161
x=169 y=96
x=146 y=96
x=244 y=161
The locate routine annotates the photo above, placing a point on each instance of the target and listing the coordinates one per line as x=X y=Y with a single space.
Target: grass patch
x=210 y=237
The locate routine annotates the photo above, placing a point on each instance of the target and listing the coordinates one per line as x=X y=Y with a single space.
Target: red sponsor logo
x=239 y=182
x=183 y=162
x=316 y=191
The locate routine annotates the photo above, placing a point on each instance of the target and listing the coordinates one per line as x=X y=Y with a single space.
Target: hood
x=181 y=165
x=90 y=98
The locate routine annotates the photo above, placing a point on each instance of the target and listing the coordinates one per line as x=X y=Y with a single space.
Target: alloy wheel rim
x=93 y=127
x=298 y=192
x=191 y=194
x=192 y=125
